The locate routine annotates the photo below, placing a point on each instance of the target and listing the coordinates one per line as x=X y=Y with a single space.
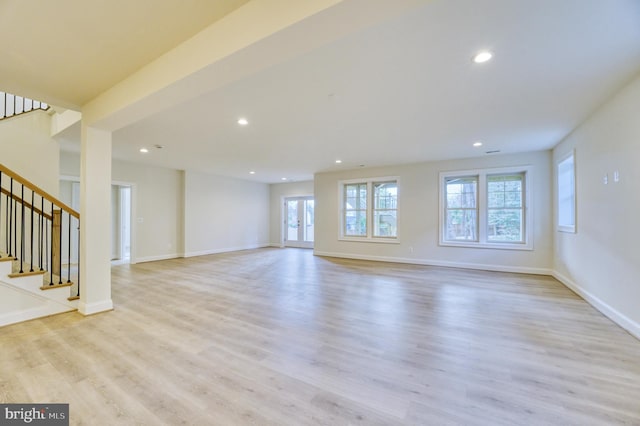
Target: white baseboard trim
x=448 y=264
x=95 y=307
x=155 y=258
x=622 y=320
x=225 y=250
x=48 y=309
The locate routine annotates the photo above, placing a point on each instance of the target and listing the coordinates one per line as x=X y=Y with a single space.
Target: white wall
x=224 y=214
x=419 y=215
x=601 y=261
x=156 y=203
x=28 y=150
x=278 y=191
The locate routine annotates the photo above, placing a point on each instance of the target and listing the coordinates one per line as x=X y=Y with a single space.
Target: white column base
x=95 y=307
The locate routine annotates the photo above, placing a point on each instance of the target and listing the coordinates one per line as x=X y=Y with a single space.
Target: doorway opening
x=299 y=226
x=121 y=224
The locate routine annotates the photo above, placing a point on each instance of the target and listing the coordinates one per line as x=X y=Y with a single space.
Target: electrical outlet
x=616 y=176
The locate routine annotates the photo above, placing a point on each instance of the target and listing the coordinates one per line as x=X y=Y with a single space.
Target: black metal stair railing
x=13 y=105
x=37 y=229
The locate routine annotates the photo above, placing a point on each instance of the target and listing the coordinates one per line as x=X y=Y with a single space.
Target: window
x=369 y=209
x=461 y=217
x=485 y=208
x=567 y=194
x=505 y=211
x=385 y=209
x=355 y=209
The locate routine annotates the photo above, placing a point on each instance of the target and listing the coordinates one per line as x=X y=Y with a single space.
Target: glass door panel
x=309 y=206
x=293 y=223
x=299 y=222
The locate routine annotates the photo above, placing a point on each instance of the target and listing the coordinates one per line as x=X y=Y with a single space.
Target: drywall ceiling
x=406 y=90
x=401 y=90
x=70 y=51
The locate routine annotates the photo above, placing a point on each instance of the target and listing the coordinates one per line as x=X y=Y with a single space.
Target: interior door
x=299 y=222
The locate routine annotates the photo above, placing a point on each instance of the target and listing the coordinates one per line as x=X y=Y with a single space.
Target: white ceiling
x=70 y=51
x=406 y=90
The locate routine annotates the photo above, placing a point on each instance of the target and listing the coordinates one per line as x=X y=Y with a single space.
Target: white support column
x=95 y=221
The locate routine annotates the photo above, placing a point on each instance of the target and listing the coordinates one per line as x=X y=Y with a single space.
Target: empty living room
x=337 y=212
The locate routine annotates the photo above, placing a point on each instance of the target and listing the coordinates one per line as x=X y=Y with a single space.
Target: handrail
x=26 y=203
x=38 y=190
x=33 y=234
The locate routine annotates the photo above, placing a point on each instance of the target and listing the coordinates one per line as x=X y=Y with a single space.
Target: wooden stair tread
x=47 y=277
x=25 y=274
x=55 y=285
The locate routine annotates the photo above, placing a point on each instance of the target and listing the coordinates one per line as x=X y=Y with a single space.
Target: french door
x=298 y=226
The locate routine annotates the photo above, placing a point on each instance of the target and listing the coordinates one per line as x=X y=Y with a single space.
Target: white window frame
x=482 y=204
x=562 y=162
x=369 y=238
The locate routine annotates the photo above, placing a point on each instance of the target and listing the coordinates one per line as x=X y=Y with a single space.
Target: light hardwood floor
x=278 y=336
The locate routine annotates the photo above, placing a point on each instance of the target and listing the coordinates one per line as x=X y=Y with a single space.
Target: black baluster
x=6 y=227
x=60 y=250
x=22 y=229
x=40 y=236
x=46 y=243
x=31 y=245
x=78 y=292
x=69 y=250
x=51 y=252
x=15 y=228
x=10 y=215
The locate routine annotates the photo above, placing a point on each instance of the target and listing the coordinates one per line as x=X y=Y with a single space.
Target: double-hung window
x=355 y=209
x=461 y=208
x=385 y=209
x=505 y=209
x=486 y=208
x=369 y=209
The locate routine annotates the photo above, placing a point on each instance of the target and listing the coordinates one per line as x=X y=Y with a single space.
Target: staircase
x=39 y=251
x=13 y=105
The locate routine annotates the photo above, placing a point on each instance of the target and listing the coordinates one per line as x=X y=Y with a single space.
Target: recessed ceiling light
x=477 y=144
x=144 y=150
x=338 y=161
x=243 y=121
x=283 y=178
x=252 y=172
x=482 y=57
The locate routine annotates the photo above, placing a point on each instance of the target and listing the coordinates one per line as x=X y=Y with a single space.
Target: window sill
x=495 y=246
x=370 y=240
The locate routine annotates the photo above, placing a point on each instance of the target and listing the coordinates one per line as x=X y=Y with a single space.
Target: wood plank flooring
x=280 y=337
